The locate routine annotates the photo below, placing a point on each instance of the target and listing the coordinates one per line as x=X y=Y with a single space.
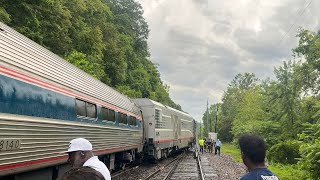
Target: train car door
x=175 y=126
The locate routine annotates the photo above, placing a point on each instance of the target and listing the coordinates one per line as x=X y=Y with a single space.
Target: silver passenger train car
x=46 y=101
x=165 y=129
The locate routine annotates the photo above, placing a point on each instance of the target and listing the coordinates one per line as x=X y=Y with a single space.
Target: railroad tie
x=208 y=171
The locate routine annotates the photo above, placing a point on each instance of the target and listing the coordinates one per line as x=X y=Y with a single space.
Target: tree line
x=105 y=38
x=285 y=111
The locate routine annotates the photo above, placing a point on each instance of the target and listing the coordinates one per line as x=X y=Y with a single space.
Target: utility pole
x=208 y=124
x=215 y=124
x=200 y=128
x=210 y=120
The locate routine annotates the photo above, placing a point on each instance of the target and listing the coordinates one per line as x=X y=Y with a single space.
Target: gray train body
x=165 y=129
x=45 y=102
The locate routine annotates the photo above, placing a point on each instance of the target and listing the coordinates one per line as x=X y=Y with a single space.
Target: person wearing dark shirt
x=253 y=153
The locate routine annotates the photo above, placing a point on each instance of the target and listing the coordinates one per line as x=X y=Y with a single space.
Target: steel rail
x=160 y=169
x=118 y=173
x=200 y=168
x=171 y=171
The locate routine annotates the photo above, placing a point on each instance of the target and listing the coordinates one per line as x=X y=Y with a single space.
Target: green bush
x=310 y=150
x=285 y=152
x=287 y=172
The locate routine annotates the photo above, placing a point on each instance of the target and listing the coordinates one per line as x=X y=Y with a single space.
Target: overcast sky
x=201 y=45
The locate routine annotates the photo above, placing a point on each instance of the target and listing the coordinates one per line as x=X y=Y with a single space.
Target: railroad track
x=182 y=167
x=118 y=173
x=158 y=173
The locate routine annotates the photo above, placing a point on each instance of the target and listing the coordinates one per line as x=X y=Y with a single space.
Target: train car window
x=125 y=120
x=122 y=118
x=108 y=114
x=132 y=121
x=91 y=110
x=81 y=107
x=111 y=115
x=105 y=114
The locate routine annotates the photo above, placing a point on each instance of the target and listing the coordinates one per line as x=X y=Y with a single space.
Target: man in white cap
x=80 y=154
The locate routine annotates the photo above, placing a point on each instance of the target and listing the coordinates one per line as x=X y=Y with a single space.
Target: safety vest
x=201 y=142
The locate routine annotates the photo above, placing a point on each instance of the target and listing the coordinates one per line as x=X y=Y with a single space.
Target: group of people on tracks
x=206 y=145
x=253 y=154
x=86 y=166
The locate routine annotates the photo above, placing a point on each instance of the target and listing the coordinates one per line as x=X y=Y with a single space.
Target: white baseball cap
x=79 y=144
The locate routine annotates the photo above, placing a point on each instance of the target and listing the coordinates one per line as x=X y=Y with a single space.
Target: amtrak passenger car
x=165 y=129
x=45 y=102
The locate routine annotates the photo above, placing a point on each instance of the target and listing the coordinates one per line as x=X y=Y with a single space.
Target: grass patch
x=232 y=150
x=286 y=172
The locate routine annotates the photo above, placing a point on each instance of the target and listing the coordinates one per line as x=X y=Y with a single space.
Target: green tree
x=309 y=49
x=310 y=150
x=46 y=22
x=81 y=61
x=4 y=16
x=231 y=100
x=286 y=98
x=252 y=117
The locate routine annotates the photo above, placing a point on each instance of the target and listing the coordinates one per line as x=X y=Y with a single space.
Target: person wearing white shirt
x=80 y=154
x=217 y=147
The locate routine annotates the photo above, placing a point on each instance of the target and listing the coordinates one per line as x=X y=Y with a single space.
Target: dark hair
x=253 y=147
x=82 y=173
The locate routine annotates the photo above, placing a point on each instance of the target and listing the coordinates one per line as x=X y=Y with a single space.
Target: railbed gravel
x=142 y=171
x=224 y=166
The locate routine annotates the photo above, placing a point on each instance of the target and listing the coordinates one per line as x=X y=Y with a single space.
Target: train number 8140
x=9 y=144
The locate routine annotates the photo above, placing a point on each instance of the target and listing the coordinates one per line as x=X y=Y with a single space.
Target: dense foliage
x=105 y=38
x=284 y=111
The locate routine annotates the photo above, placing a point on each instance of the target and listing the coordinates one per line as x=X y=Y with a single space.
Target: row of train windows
x=87 y=109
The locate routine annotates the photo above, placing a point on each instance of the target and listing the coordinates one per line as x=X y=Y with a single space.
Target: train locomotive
x=46 y=101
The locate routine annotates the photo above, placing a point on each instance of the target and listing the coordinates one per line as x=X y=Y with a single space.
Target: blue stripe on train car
x=17 y=97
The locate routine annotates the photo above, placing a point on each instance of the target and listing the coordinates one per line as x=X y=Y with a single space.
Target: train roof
x=25 y=55
x=148 y=102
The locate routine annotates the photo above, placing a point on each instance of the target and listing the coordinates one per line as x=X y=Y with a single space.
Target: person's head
x=79 y=151
x=253 y=149
x=82 y=173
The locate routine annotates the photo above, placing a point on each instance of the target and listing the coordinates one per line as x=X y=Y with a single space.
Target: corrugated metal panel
x=23 y=53
x=48 y=138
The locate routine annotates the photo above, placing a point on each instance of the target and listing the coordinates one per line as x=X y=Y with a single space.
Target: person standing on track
x=253 y=153
x=218 y=145
x=80 y=154
x=201 y=144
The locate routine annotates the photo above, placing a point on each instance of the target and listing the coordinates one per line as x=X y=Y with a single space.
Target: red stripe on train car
x=112 y=149
x=26 y=78
x=12 y=166
x=167 y=140
x=29 y=163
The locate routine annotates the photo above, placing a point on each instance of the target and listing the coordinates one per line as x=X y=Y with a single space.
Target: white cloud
x=202 y=44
